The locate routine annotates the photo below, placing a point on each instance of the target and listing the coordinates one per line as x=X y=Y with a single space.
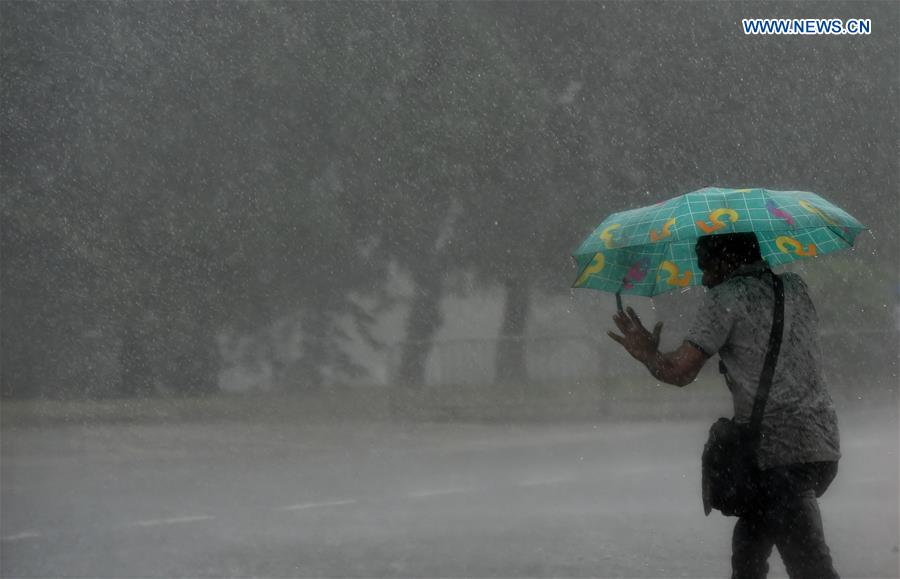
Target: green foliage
x=172 y=169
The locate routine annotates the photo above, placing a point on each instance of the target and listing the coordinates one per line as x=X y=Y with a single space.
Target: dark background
x=177 y=176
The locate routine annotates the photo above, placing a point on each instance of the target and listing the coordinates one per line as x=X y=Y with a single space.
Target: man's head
x=719 y=255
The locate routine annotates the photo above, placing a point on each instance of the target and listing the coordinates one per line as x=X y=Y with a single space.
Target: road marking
x=304 y=506
x=544 y=481
x=436 y=493
x=21 y=536
x=170 y=521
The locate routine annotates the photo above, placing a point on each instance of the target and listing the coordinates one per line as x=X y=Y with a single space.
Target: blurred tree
x=415 y=138
x=173 y=169
x=198 y=175
x=540 y=162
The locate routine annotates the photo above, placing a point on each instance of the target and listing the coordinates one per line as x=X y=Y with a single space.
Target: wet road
x=617 y=499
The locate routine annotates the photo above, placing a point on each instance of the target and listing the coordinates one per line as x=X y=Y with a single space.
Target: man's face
x=712 y=277
x=714 y=271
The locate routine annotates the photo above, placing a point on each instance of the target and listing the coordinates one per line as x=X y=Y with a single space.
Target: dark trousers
x=789 y=519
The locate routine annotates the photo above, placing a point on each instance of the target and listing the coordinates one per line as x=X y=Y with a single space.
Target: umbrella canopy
x=650 y=250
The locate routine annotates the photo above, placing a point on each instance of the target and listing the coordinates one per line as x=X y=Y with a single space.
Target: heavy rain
x=287 y=287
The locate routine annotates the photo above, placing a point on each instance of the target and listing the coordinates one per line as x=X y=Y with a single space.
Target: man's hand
x=679 y=367
x=639 y=342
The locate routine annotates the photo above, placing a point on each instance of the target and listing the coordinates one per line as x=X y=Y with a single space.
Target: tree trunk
x=424 y=320
x=134 y=361
x=307 y=371
x=18 y=352
x=198 y=365
x=511 y=347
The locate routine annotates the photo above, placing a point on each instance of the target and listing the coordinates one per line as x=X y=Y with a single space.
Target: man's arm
x=679 y=368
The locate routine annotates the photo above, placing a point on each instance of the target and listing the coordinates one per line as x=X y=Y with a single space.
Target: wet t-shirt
x=734 y=320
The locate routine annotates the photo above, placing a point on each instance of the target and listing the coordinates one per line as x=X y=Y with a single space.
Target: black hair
x=736 y=248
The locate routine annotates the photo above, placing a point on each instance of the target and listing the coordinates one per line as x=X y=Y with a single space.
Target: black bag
x=730 y=472
x=731 y=477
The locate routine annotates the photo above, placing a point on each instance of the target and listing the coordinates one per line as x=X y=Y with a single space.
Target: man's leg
x=751 y=545
x=801 y=540
x=797 y=523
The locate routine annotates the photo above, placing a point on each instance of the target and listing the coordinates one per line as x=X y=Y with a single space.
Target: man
x=799 y=446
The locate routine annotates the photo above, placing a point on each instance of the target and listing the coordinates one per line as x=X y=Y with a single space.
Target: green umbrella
x=650 y=250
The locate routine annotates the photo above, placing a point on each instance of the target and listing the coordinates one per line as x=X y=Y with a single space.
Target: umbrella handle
x=619 y=301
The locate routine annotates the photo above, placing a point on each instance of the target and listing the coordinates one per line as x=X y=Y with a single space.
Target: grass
x=583 y=400
x=230 y=407
x=570 y=401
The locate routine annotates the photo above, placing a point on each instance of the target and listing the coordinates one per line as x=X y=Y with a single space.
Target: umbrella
x=650 y=250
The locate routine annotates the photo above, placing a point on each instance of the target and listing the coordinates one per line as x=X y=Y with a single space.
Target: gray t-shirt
x=735 y=319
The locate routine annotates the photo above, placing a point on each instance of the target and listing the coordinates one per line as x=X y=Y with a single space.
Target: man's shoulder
x=794 y=280
x=750 y=286
x=737 y=284
x=759 y=276
x=793 y=277
x=743 y=287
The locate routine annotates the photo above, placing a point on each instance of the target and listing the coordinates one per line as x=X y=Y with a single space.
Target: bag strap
x=768 y=371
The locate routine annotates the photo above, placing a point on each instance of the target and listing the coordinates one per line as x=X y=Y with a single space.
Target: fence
x=464 y=362
x=566 y=376
x=563 y=377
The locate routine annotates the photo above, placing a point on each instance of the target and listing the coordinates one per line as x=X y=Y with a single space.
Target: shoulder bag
x=730 y=470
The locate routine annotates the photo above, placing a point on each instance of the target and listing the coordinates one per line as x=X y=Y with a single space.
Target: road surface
x=375 y=499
